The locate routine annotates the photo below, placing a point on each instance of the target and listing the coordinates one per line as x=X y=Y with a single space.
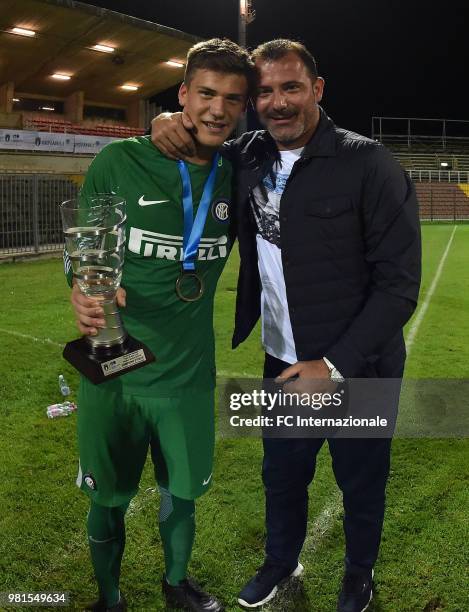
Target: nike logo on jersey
x=143 y=202
x=205 y=482
x=165 y=246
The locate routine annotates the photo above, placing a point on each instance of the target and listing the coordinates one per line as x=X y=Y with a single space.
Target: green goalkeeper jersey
x=180 y=334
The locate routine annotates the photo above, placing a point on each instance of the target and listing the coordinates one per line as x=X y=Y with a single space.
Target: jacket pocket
x=328 y=207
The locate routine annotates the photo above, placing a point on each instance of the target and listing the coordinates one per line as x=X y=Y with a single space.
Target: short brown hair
x=220 y=55
x=276 y=49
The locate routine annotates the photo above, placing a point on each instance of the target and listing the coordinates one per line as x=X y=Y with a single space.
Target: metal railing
x=29 y=212
x=439 y=176
x=410 y=132
x=30 y=219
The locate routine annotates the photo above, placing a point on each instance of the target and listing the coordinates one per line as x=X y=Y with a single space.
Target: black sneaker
x=356 y=593
x=264 y=585
x=100 y=606
x=187 y=595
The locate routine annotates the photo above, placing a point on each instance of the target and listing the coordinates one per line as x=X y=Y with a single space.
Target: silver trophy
x=94 y=230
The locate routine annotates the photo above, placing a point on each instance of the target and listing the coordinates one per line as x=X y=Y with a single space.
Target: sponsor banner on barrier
x=23 y=140
x=13 y=139
x=50 y=141
x=90 y=144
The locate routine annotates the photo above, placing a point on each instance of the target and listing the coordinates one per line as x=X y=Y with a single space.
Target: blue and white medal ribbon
x=189 y=285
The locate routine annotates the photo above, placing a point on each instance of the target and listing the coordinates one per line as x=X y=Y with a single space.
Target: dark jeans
x=361 y=468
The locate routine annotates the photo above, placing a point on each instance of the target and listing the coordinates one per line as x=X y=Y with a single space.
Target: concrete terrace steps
x=443 y=201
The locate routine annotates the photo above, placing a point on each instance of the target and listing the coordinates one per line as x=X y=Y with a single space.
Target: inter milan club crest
x=221 y=210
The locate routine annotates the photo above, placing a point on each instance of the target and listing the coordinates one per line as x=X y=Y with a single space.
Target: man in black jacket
x=329 y=241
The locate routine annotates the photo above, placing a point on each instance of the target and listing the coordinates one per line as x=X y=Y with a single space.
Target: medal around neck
x=189 y=285
x=94 y=230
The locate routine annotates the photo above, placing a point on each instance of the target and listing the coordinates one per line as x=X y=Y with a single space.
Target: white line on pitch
x=424 y=307
x=317 y=530
x=28 y=337
x=323 y=522
x=227 y=374
x=142 y=499
x=224 y=373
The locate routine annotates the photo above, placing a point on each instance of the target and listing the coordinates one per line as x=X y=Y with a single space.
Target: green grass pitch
x=423 y=564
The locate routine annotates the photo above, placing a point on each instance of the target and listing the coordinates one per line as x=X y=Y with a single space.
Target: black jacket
x=350 y=240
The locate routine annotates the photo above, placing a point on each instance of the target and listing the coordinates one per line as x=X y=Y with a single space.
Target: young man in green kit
x=168 y=294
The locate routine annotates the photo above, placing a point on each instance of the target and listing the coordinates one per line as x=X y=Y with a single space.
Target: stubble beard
x=287 y=136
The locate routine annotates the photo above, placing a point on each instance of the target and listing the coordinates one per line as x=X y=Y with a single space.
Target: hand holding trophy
x=94 y=230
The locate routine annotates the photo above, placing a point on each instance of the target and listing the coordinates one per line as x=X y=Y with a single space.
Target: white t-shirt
x=277 y=335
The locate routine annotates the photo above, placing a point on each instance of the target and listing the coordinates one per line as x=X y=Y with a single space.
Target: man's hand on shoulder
x=88 y=311
x=172 y=134
x=313 y=377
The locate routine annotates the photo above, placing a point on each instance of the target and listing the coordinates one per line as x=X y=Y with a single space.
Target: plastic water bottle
x=64 y=388
x=60 y=410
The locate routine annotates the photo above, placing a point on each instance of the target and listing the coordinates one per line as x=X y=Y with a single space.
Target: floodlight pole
x=246 y=16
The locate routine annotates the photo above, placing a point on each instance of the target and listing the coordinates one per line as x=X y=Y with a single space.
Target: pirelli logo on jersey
x=165 y=246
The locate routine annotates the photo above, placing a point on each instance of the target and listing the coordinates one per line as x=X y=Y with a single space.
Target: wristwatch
x=334 y=373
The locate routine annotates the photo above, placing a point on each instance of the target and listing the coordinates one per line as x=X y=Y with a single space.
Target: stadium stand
x=443 y=201
x=95 y=79
x=73 y=77
x=67 y=127
x=435 y=153
x=425 y=161
x=425 y=144
x=50 y=128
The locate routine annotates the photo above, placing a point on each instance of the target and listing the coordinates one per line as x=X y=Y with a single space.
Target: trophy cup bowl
x=94 y=229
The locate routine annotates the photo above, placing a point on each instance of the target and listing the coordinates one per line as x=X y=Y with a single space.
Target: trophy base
x=101 y=364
